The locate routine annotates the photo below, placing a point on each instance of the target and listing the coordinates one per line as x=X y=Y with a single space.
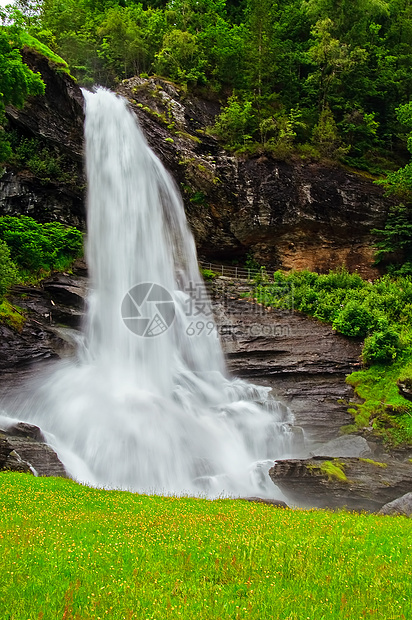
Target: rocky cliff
x=55 y=120
x=287 y=214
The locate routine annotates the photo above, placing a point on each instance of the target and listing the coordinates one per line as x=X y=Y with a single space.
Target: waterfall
x=147 y=404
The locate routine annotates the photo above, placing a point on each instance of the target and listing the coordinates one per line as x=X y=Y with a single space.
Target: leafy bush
x=339 y=279
x=35 y=247
x=8 y=271
x=208 y=274
x=353 y=320
x=382 y=346
x=381 y=311
x=326 y=136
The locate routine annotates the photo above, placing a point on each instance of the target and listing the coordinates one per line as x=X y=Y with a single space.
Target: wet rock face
x=58 y=115
x=23 y=449
x=58 y=303
x=304 y=361
x=315 y=217
x=290 y=215
x=368 y=485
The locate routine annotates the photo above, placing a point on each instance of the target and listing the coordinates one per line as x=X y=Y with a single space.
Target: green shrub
x=8 y=271
x=339 y=279
x=35 y=247
x=354 y=320
x=382 y=346
x=234 y=124
x=208 y=274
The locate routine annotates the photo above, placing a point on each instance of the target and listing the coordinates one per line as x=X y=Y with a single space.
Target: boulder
x=23 y=429
x=400 y=506
x=345 y=446
x=15 y=463
x=275 y=503
x=67 y=290
x=405 y=388
x=23 y=448
x=351 y=483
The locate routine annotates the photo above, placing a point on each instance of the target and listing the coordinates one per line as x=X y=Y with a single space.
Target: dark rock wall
x=288 y=215
x=303 y=360
x=57 y=120
x=23 y=448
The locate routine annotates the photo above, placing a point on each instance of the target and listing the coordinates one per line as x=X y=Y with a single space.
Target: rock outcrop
x=400 y=506
x=49 y=309
x=303 y=360
x=348 y=446
x=289 y=215
x=23 y=448
x=366 y=484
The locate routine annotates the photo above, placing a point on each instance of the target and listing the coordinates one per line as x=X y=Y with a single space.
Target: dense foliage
x=17 y=81
x=380 y=313
x=87 y=553
x=38 y=247
x=394 y=242
x=8 y=270
x=317 y=73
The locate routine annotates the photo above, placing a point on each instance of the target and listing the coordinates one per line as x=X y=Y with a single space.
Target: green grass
x=389 y=413
x=71 y=552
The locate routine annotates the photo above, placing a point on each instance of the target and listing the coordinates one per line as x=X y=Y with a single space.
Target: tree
x=351 y=18
x=331 y=57
x=17 y=81
x=326 y=136
x=181 y=58
x=235 y=122
x=395 y=239
x=261 y=56
x=399 y=183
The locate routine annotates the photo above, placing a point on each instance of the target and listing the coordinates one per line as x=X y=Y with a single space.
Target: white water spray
x=152 y=413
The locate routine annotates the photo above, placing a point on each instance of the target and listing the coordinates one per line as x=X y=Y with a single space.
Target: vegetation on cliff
x=379 y=312
x=28 y=252
x=36 y=247
x=75 y=552
x=328 y=77
x=17 y=81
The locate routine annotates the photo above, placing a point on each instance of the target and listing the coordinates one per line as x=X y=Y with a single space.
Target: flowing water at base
x=147 y=404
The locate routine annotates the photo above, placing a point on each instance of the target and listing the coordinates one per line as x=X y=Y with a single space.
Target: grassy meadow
x=72 y=552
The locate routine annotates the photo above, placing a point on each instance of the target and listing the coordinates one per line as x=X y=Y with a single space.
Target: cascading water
x=147 y=405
